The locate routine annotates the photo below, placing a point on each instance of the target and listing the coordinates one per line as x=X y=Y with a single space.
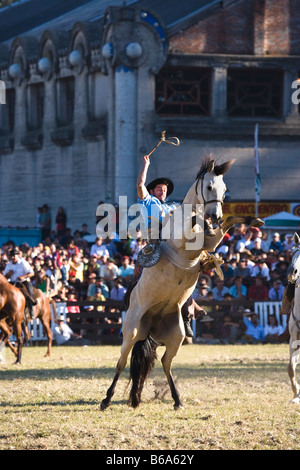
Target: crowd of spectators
x=68 y=267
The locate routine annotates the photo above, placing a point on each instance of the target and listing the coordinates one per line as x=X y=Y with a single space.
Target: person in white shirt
x=19 y=270
x=272 y=330
x=99 y=248
x=65 y=336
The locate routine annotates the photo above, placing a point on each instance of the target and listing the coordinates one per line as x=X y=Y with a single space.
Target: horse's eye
x=209 y=188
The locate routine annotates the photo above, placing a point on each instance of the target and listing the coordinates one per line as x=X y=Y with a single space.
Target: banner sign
x=265 y=209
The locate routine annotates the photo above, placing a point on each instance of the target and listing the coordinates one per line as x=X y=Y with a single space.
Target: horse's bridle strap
x=202 y=194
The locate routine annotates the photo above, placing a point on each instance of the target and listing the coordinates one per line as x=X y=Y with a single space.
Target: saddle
x=29 y=299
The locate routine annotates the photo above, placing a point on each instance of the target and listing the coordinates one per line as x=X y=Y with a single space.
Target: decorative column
x=133 y=38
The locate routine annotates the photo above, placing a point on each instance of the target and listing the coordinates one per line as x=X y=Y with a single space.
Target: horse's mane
x=219 y=169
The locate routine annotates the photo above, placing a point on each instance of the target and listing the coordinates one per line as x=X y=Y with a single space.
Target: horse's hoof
x=178 y=407
x=296 y=400
x=257 y=222
x=104 y=405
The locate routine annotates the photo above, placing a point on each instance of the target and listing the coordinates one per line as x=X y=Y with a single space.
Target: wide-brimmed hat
x=165 y=181
x=14 y=251
x=207 y=318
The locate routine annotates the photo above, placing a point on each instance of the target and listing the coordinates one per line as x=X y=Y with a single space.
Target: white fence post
x=263 y=309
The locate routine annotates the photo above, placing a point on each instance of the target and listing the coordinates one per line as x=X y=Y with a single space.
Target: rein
x=205 y=202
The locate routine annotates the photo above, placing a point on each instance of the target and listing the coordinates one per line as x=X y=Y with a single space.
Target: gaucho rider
x=153 y=197
x=18 y=270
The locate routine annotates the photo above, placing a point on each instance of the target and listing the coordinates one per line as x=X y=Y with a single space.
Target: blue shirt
x=233 y=291
x=156 y=208
x=257 y=332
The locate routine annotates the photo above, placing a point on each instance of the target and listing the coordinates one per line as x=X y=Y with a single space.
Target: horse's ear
x=296 y=238
x=224 y=167
x=210 y=166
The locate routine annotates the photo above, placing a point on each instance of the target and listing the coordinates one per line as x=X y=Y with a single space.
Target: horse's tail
x=142 y=362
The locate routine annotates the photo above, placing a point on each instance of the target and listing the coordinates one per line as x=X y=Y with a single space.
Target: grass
x=235 y=398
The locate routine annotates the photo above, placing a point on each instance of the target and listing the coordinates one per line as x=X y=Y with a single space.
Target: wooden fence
x=104 y=327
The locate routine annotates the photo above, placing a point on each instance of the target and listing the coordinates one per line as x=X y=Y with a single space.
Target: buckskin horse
x=154 y=313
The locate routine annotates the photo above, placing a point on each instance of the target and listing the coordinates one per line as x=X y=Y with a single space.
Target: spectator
x=45 y=222
x=272 y=330
x=238 y=290
x=118 y=291
x=219 y=290
x=63 y=335
x=99 y=248
x=254 y=331
x=84 y=231
x=109 y=272
x=61 y=222
x=276 y=292
x=92 y=287
x=65 y=269
x=276 y=244
x=257 y=249
x=72 y=248
x=126 y=271
x=244 y=242
x=71 y=297
x=227 y=269
x=261 y=268
x=242 y=269
x=207 y=332
x=104 y=288
x=258 y=291
x=228 y=331
x=288 y=242
x=76 y=267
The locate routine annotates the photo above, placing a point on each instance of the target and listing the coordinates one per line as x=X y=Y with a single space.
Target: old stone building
x=90 y=88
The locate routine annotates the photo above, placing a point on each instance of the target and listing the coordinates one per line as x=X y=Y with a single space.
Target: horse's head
x=293 y=272
x=210 y=187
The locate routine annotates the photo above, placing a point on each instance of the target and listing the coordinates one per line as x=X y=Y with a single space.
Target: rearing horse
x=154 y=313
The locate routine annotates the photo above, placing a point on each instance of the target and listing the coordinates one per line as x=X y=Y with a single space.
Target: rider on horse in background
x=18 y=270
x=153 y=197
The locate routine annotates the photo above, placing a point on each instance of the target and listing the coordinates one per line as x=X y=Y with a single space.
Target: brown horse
x=12 y=307
x=42 y=311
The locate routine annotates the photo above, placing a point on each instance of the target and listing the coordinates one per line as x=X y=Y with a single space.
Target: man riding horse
x=154 y=198
x=19 y=271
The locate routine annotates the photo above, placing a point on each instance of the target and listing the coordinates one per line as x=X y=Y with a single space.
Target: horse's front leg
x=230 y=221
x=6 y=333
x=211 y=243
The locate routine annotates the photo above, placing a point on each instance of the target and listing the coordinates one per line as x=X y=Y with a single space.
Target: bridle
x=205 y=202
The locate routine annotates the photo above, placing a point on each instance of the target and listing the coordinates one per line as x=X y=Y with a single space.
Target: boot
x=188 y=329
x=187 y=315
